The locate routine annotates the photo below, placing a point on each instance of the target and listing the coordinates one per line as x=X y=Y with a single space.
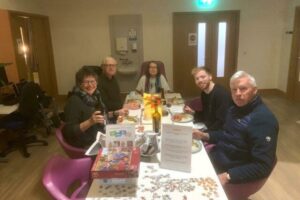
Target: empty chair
x=71 y=151
x=21 y=122
x=60 y=173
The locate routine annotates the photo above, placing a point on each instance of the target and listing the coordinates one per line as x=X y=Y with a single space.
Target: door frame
x=52 y=75
x=295 y=48
x=232 y=43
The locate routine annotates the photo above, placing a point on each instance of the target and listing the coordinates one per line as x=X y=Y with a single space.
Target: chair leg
x=23 y=150
x=33 y=140
x=21 y=144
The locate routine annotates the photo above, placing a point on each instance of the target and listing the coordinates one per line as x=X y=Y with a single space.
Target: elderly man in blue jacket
x=245 y=148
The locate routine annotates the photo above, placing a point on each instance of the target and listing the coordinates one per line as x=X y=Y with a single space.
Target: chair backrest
x=96 y=68
x=71 y=151
x=29 y=102
x=60 y=173
x=160 y=66
x=242 y=191
x=195 y=103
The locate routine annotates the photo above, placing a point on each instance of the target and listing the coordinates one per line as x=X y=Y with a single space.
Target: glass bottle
x=163 y=99
x=156 y=120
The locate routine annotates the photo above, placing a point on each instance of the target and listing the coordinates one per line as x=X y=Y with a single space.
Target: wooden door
x=42 y=54
x=20 y=37
x=185 y=52
x=293 y=89
x=39 y=64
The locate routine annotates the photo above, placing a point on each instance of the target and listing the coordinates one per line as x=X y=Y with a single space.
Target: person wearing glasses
x=84 y=110
x=110 y=89
x=153 y=81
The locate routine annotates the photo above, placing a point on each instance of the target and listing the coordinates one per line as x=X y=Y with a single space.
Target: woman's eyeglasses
x=89 y=82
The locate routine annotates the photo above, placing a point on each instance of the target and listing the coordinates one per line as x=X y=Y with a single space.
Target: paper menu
x=176 y=145
x=120 y=135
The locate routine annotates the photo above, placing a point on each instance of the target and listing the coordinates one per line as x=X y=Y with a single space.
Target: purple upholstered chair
x=195 y=103
x=71 y=151
x=60 y=173
x=242 y=191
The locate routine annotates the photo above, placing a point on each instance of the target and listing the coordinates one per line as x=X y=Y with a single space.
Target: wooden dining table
x=154 y=182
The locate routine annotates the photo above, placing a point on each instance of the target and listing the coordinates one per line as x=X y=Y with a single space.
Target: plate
x=200 y=126
x=133 y=104
x=175 y=101
x=130 y=120
x=182 y=117
x=196 y=146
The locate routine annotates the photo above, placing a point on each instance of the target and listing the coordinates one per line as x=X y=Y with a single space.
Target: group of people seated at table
x=96 y=100
x=240 y=125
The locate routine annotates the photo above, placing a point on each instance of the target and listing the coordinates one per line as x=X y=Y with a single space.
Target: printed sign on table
x=176 y=147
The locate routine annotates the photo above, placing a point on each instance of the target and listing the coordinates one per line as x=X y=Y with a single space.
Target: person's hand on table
x=120 y=119
x=123 y=112
x=200 y=135
x=188 y=109
x=224 y=178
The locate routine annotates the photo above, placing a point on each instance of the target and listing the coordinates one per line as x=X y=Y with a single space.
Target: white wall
x=80 y=33
x=32 y=6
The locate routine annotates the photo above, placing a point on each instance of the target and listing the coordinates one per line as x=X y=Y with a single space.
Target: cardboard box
x=116 y=162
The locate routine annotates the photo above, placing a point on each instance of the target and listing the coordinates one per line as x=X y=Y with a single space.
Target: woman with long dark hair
x=153 y=81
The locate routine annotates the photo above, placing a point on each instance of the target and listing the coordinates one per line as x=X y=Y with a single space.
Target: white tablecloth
x=156 y=183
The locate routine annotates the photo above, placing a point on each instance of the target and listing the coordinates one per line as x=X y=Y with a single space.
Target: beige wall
x=34 y=6
x=80 y=33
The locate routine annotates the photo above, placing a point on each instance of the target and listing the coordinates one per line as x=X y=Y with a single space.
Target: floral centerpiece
x=150 y=102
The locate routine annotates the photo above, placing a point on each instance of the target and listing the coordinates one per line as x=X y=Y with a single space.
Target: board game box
x=116 y=162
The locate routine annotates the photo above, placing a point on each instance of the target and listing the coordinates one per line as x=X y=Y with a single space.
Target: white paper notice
x=176 y=147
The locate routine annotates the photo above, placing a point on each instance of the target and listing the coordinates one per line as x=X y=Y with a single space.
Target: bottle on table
x=156 y=120
x=162 y=95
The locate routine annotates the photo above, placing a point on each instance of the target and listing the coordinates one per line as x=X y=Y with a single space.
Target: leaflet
x=176 y=147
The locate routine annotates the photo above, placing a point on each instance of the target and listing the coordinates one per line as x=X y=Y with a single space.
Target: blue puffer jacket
x=246 y=147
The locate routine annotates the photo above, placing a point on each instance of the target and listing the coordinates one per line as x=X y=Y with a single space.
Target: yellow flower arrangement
x=150 y=102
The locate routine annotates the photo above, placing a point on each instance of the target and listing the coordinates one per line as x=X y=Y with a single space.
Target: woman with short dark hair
x=84 y=110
